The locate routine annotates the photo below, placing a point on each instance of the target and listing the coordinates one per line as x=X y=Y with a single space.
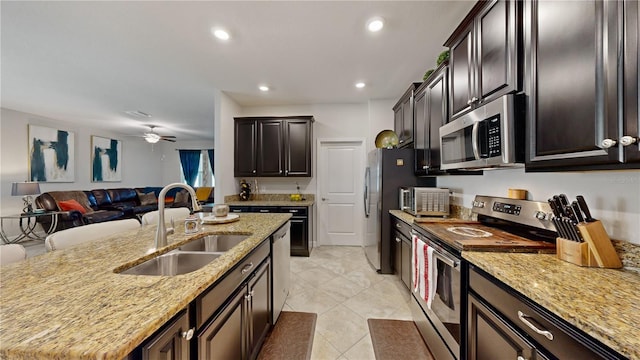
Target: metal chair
x=176 y=213
x=71 y=237
x=11 y=253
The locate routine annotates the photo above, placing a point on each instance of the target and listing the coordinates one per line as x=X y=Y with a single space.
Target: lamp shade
x=25 y=188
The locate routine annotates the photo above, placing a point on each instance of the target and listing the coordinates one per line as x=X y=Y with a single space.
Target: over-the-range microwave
x=487 y=137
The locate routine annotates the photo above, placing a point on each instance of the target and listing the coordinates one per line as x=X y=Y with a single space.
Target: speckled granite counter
x=70 y=303
x=270 y=200
x=604 y=303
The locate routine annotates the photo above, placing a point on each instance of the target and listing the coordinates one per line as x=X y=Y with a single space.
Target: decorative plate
x=386 y=139
x=220 y=220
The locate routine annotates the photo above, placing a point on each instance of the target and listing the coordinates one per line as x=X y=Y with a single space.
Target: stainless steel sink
x=215 y=242
x=173 y=263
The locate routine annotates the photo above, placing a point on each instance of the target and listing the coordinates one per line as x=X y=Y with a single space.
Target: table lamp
x=26 y=189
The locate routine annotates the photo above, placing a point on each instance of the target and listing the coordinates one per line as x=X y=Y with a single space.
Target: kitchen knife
x=585 y=209
x=556 y=200
x=554 y=208
x=575 y=210
x=573 y=230
x=560 y=228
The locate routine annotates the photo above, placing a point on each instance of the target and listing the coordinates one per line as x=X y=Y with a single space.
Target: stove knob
x=478 y=204
x=540 y=215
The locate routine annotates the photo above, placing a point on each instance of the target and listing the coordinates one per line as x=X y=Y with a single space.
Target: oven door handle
x=452 y=263
x=445 y=259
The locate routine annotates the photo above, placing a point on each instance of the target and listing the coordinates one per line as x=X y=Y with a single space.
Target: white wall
x=612 y=196
x=225 y=110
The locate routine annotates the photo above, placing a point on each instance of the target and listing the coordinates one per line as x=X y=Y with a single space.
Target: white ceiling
x=89 y=61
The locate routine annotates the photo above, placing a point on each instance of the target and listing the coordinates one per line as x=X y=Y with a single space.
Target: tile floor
x=338 y=284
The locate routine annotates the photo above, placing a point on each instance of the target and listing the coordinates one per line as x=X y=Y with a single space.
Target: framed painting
x=51 y=154
x=106 y=159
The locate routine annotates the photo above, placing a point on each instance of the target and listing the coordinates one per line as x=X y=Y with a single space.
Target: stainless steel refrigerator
x=387 y=170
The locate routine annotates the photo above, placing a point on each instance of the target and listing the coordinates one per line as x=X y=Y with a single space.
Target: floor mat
x=291 y=338
x=397 y=339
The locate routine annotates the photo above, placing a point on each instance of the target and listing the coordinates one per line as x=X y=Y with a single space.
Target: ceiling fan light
x=152 y=138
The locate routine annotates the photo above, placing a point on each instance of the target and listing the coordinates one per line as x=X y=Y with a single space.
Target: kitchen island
x=72 y=303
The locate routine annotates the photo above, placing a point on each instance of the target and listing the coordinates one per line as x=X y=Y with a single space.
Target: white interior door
x=340 y=190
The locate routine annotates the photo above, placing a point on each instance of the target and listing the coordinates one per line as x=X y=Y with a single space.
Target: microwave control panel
x=493 y=134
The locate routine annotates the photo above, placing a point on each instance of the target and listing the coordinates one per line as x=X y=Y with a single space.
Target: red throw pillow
x=67 y=205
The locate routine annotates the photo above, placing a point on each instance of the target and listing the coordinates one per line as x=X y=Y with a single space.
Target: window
x=205 y=173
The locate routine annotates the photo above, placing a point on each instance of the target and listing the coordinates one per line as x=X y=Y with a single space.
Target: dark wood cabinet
x=172 y=342
x=223 y=339
x=245 y=148
x=583 y=97
x=430 y=107
x=258 y=298
x=483 y=58
x=273 y=146
x=491 y=338
x=401 y=240
x=403 y=122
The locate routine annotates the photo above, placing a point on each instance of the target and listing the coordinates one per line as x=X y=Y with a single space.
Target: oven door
x=444 y=312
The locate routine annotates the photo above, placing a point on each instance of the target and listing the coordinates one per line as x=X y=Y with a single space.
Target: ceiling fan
x=152 y=138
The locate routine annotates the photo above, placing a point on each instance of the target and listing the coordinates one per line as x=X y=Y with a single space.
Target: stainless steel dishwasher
x=280 y=268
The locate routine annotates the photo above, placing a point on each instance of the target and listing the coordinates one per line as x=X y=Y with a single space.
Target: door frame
x=319 y=223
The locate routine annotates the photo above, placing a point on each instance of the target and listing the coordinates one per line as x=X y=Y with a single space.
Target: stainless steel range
x=504 y=224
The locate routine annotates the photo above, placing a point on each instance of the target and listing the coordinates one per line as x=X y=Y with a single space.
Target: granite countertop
x=604 y=303
x=71 y=304
x=270 y=200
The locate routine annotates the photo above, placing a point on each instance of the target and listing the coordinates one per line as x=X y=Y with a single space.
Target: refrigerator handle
x=367 y=175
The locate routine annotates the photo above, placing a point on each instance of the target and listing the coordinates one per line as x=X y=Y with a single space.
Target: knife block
x=596 y=250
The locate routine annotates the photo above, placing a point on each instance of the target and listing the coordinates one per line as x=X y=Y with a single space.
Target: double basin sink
x=188 y=257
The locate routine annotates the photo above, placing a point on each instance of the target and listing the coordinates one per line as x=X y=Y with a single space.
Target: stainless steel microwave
x=487 y=137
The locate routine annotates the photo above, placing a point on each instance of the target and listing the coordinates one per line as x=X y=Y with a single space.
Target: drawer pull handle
x=524 y=319
x=187 y=335
x=397 y=240
x=520 y=357
x=246 y=268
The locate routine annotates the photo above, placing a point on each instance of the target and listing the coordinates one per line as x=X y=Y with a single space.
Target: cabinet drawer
x=264 y=209
x=294 y=210
x=211 y=300
x=551 y=336
x=401 y=226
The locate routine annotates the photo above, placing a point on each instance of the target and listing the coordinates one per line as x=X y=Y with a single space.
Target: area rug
x=397 y=339
x=291 y=338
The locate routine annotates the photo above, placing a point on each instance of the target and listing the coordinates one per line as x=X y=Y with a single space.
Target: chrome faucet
x=161 y=232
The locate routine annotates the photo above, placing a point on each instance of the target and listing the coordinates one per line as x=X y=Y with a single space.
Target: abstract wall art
x=51 y=155
x=106 y=159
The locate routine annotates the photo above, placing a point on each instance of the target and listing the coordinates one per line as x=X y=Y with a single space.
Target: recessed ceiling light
x=263 y=88
x=360 y=85
x=220 y=33
x=375 y=24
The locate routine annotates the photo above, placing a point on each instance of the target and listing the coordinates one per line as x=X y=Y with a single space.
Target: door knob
x=324 y=199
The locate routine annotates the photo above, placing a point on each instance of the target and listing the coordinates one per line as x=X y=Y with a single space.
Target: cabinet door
x=245 y=141
x=407 y=120
x=572 y=82
x=224 y=337
x=497 y=50
x=421 y=132
x=437 y=105
x=270 y=148
x=396 y=241
x=631 y=122
x=299 y=236
x=397 y=122
x=490 y=338
x=169 y=343
x=259 y=312
x=298 y=143
x=461 y=82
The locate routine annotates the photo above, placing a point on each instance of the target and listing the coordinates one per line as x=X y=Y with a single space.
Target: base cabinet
x=491 y=338
x=172 y=342
x=401 y=240
x=238 y=331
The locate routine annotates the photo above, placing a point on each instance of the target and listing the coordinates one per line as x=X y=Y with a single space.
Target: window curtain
x=190 y=160
x=210 y=152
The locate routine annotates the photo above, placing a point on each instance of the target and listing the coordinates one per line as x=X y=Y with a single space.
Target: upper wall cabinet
x=582 y=81
x=273 y=146
x=403 y=117
x=430 y=112
x=483 y=58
